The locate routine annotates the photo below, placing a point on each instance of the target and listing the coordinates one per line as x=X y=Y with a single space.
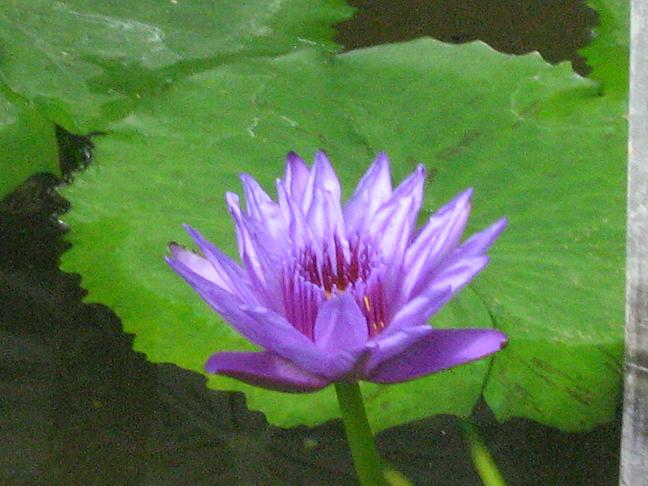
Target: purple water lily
x=340 y=294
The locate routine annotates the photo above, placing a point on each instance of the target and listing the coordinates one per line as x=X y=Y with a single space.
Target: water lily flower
x=338 y=294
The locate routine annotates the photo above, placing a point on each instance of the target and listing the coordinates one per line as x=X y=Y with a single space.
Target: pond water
x=78 y=406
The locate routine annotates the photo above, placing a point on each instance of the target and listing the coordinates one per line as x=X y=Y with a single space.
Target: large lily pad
x=27 y=141
x=537 y=142
x=608 y=53
x=86 y=62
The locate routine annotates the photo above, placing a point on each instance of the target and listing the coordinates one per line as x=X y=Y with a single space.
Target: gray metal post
x=634 y=448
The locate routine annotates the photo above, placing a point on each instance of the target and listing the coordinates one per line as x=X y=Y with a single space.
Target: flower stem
x=363 y=448
x=482 y=459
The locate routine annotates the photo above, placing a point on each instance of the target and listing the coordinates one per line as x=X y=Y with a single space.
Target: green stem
x=483 y=461
x=361 y=441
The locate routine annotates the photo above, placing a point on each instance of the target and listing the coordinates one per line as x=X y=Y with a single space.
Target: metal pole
x=634 y=444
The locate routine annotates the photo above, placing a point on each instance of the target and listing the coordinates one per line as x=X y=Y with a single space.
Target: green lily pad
x=87 y=62
x=538 y=143
x=609 y=51
x=28 y=143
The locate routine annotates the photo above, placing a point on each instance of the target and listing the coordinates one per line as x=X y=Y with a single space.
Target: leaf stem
x=482 y=459
x=363 y=447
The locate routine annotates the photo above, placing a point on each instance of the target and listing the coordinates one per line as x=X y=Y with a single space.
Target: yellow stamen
x=377 y=326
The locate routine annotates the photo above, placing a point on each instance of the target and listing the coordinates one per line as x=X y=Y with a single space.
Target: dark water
x=78 y=406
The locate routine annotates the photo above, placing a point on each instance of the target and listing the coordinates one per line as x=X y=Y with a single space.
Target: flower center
x=316 y=276
x=334 y=270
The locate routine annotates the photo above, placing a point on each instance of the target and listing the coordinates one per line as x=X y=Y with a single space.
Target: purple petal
x=262 y=255
x=350 y=366
x=392 y=344
x=242 y=238
x=322 y=200
x=372 y=191
x=259 y=325
x=440 y=350
x=262 y=208
x=457 y=270
x=324 y=176
x=412 y=185
x=340 y=325
x=420 y=309
x=198 y=264
x=296 y=176
x=434 y=242
x=444 y=285
x=480 y=242
x=298 y=231
x=457 y=275
x=231 y=275
x=301 y=300
x=395 y=224
x=324 y=217
x=392 y=225
x=265 y=370
x=297 y=348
